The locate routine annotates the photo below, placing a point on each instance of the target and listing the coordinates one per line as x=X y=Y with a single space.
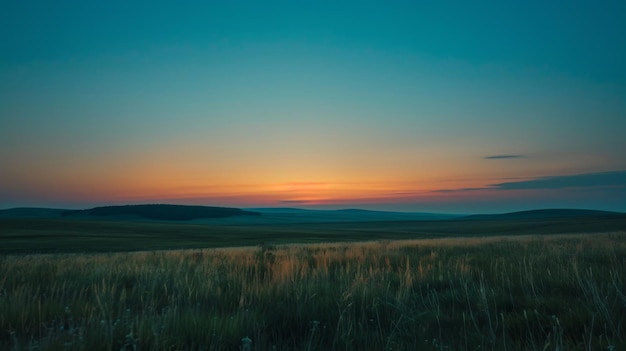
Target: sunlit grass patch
x=500 y=293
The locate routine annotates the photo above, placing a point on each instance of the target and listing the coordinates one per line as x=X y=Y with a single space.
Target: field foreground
x=559 y=292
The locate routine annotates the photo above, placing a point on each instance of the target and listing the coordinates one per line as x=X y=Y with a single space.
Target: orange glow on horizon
x=266 y=194
x=187 y=173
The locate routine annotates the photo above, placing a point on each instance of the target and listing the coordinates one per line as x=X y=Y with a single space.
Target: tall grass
x=524 y=293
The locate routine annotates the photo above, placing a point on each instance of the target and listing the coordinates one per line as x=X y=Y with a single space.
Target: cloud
x=585 y=180
x=617 y=178
x=501 y=157
x=459 y=190
x=295 y=201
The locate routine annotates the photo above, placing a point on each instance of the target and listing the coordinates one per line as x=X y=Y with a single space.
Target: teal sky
x=426 y=106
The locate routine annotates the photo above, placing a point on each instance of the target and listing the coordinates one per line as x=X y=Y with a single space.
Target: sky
x=431 y=106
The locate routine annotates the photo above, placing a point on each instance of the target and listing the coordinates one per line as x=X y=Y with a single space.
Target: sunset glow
x=415 y=107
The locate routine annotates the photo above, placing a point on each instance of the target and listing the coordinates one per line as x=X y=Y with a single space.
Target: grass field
x=558 y=292
x=20 y=236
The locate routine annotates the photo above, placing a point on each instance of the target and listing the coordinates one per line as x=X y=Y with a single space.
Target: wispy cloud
x=585 y=180
x=501 y=157
x=459 y=190
x=295 y=201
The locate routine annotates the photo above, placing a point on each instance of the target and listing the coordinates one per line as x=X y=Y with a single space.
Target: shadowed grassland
x=58 y=235
x=560 y=292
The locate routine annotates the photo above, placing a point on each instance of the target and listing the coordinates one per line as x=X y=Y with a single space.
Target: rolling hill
x=159 y=212
x=235 y=216
x=545 y=213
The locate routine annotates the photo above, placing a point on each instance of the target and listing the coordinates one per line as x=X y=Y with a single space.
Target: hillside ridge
x=545 y=213
x=161 y=212
x=170 y=212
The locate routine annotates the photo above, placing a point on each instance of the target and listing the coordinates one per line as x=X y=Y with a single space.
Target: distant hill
x=31 y=212
x=545 y=213
x=253 y=216
x=221 y=215
x=160 y=212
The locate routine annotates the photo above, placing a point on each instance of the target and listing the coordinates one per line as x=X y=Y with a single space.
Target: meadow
x=28 y=235
x=557 y=292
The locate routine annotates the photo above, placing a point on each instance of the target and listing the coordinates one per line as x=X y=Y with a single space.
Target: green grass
x=19 y=236
x=559 y=292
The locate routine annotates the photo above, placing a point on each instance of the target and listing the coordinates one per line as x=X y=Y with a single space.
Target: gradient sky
x=437 y=106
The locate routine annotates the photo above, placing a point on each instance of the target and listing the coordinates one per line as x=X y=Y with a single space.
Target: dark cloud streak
x=295 y=201
x=458 y=190
x=585 y=180
x=501 y=157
